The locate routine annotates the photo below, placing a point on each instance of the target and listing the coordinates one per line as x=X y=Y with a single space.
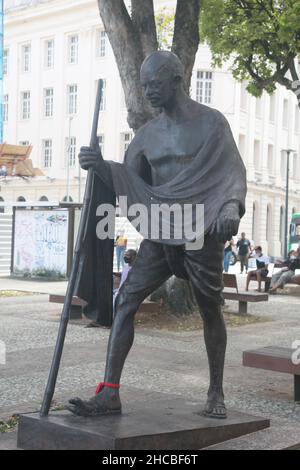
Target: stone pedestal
x=173 y=424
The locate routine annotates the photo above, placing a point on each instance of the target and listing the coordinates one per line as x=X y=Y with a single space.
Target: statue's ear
x=177 y=80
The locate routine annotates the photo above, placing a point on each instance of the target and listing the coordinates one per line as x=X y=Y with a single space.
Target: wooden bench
x=243 y=297
x=276 y=359
x=264 y=280
x=295 y=280
x=76 y=307
x=78 y=304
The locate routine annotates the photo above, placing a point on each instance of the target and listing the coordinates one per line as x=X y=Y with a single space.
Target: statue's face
x=159 y=85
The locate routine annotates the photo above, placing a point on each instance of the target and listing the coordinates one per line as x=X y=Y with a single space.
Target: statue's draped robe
x=215 y=176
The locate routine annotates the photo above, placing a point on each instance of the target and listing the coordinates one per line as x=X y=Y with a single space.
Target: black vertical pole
x=286 y=203
x=50 y=387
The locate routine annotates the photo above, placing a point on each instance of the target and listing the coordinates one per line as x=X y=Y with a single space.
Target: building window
x=5 y=108
x=272 y=107
x=258 y=108
x=270 y=158
x=242 y=145
x=101 y=44
x=47 y=153
x=101 y=143
x=25 y=105
x=103 y=101
x=256 y=154
x=43 y=199
x=283 y=164
x=269 y=223
x=71 y=151
x=297 y=119
x=255 y=222
x=243 y=96
x=26 y=57
x=126 y=139
x=48 y=102
x=25 y=143
x=67 y=199
x=294 y=169
x=204 y=87
x=49 y=54
x=73 y=49
x=72 y=99
x=285 y=116
x=5 y=61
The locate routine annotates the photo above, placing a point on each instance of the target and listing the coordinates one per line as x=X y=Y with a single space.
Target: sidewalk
x=33 y=285
x=174 y=363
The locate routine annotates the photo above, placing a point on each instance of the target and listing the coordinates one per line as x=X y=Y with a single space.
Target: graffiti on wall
x=41 y=241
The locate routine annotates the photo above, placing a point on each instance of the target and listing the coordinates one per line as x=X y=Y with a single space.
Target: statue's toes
x=74 y=410
x=77 y=407
x=76 y=401
x=219 y=412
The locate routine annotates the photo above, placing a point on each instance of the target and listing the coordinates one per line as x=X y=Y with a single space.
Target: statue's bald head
x=162 y=63
x=161 y=78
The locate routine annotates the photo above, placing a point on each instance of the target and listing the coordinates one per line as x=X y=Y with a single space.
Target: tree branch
x=144 y=21
x=293 y=69
x=127 y=48
x=186 y=35
x=278 y=76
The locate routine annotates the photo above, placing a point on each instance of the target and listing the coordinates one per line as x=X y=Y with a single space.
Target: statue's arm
x=89 y=158
x=227 y=223
x=228 y=220
x=135 y=159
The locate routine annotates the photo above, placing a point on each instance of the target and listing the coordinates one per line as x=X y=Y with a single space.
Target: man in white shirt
x=261 y=270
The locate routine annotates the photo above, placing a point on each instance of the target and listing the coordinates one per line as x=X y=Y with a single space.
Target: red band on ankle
x=101 y=386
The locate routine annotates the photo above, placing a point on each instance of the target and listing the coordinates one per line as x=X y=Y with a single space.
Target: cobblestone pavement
x=160 y=361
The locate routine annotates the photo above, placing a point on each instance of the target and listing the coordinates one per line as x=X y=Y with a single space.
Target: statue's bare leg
x=205 y=268
x=149 y=271
x=215 y=340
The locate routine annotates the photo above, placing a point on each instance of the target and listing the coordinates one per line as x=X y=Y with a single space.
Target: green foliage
x=165 y=20
x=10 y=424
x=48 y=274
x=261 y=37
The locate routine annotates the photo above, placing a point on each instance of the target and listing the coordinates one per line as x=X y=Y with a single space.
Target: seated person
x=285 y=275
x=129 y=259
x=261 y=270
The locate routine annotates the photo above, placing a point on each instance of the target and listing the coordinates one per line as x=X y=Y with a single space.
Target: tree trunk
x=186 y=36
x=125 y=41
x=176 y=296
x=132 y=38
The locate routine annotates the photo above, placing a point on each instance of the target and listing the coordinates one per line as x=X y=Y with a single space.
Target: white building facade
x=55 y=50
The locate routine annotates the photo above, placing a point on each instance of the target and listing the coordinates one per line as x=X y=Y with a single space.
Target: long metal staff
x=49 y=392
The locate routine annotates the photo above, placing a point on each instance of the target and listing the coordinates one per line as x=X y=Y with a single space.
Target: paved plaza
x=173 y=363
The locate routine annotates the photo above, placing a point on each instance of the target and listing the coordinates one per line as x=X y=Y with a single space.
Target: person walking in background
x=121 y=245
x=243 y=246
x=227 y=254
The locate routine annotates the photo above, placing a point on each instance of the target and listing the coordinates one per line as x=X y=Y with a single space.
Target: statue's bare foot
x=215 y=406
x=105 y=403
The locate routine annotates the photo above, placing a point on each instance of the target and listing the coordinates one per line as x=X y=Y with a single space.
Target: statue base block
x=174 y=424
